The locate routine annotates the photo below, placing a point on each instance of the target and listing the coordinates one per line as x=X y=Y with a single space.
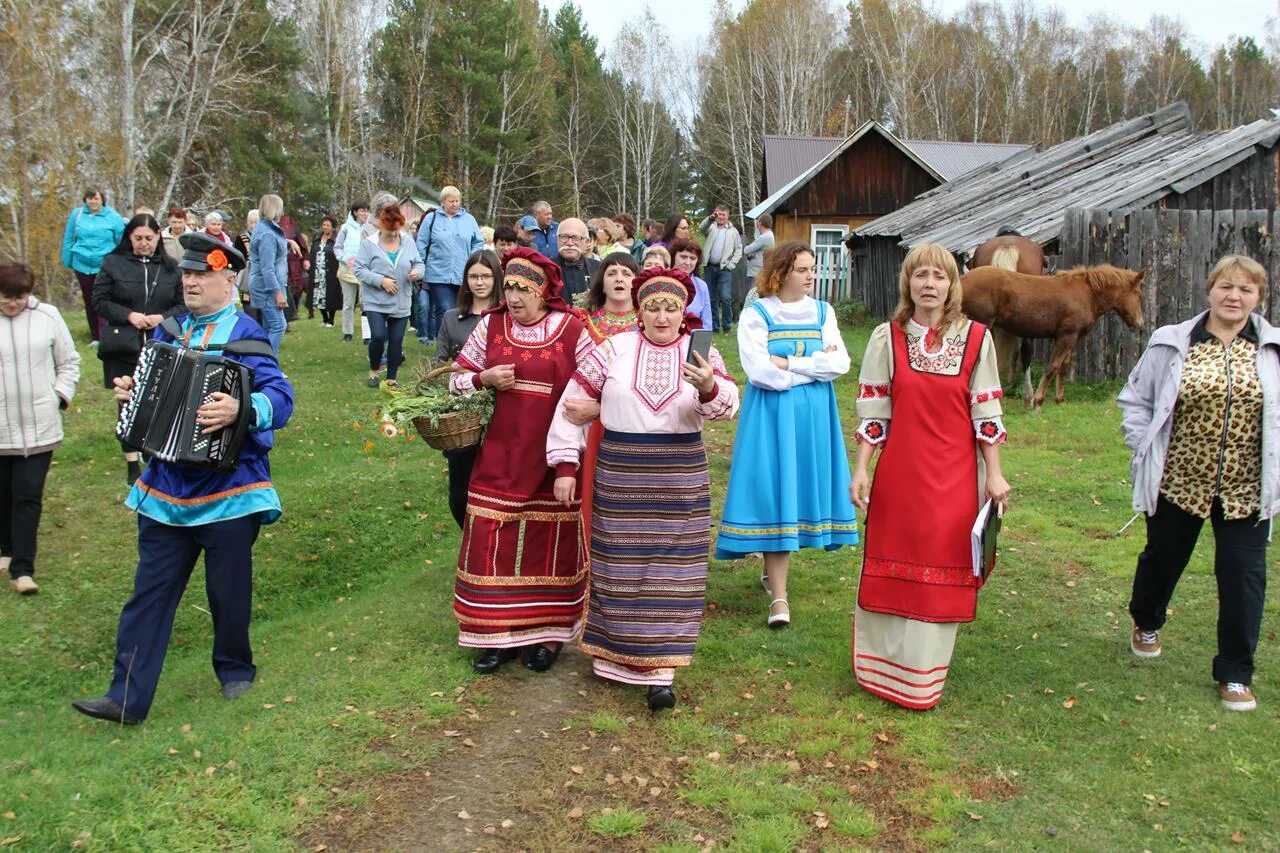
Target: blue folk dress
x=789 y=479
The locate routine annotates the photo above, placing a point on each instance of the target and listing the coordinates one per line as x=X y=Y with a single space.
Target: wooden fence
x=1177 y=247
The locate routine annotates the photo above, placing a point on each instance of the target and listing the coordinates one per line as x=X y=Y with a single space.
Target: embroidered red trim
x=873 y=392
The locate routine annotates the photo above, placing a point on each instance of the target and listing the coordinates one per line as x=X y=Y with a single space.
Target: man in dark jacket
x=578 y=269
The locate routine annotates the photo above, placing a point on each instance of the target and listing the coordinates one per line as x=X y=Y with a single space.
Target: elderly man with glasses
x=572 y=242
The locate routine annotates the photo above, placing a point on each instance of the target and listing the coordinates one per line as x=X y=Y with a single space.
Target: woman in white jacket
x=39 y=368
x=1200 y=414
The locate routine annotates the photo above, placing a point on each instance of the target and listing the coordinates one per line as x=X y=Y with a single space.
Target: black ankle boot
x=661 y=697
x=492 y=659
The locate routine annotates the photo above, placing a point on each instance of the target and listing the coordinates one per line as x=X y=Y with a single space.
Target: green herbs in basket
x=428 y=397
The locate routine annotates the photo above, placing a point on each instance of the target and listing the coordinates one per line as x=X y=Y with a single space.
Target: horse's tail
x=1006 y=257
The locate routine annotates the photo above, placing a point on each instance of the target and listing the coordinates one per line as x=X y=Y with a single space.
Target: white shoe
x=779 y=620
x=24 y=585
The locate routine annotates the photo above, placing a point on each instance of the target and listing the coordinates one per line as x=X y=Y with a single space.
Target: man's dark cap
x=202 y=251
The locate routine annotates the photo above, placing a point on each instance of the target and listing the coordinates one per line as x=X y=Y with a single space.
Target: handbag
x=122 y=342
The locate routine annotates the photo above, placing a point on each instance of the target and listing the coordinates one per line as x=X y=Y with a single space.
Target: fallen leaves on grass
x=1070 y=702
x=575 y=813
x=462 y=815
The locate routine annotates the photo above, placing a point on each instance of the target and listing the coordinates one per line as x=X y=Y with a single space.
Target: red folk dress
x=917 y=578
x=522 y=564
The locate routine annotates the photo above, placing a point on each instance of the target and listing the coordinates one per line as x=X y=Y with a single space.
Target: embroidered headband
x=523 y=273
x=662 y=287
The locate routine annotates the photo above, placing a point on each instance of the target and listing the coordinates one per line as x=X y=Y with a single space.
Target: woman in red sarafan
x=522 y=565
x=929 y=399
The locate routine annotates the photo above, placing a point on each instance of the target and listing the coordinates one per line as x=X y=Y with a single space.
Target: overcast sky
x=1210 y=23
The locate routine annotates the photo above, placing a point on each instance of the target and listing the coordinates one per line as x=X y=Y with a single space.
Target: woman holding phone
x=789 y=480
x=651 y=523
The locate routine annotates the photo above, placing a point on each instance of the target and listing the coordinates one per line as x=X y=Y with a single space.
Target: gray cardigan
x=1150 y=397
x=373 y=265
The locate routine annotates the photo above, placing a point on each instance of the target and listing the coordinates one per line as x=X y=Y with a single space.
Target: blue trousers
x=720 y=283
x=386 y=332
x=273 y=323
x=443 y=298
x=166 y=557
x=422 y=312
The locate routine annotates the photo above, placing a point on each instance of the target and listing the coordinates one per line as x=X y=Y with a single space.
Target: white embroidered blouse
x=641 y=389
x=753 y=345
x=875 y=403
x=474 y=355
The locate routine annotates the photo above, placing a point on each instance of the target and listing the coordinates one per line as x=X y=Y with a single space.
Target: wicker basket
x=453 y=430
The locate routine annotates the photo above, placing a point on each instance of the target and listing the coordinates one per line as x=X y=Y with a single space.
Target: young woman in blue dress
x=789 y=479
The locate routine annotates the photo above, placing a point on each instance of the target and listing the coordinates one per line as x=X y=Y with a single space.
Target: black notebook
x=982 y=539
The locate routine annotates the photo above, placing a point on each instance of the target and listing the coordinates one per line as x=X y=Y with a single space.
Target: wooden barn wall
x=870 y=178
x=791 y=226
x=875 y=265
x=1249 y=185
x=1177 y=248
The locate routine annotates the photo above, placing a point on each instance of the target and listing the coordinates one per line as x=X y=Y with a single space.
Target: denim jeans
x=720 y=283
x=422 y=311
x=273 y=323
x=443 y=298
x=386 y=331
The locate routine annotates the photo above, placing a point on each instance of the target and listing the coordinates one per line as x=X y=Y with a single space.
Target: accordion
x=171 y=382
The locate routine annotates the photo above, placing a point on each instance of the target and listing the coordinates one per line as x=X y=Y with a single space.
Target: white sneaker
x=24 y=585
x=1236 y=696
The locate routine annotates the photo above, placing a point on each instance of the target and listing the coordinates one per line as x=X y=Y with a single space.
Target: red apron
x=917 y=561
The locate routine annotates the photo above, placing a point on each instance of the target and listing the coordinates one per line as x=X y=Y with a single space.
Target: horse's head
x=1129 y=298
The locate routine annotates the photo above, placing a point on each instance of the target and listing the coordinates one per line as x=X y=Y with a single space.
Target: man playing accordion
x=184 y=510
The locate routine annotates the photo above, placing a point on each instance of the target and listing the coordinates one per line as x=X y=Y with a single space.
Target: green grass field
x=1050 y=733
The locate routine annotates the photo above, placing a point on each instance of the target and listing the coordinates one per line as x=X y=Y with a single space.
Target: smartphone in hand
x=699 y=342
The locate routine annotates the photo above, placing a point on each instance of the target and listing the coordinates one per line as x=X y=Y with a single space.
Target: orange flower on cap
x=217 y=260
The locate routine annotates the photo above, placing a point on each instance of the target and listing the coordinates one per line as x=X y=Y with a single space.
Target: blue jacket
x=185 y=495
x=373 y=264
x=547 y=242
x=268 y=264
x=444 y=244
x=88 y=238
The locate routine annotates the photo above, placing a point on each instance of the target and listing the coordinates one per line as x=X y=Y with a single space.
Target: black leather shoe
x=105 y=709
x=661 y=697
x=492 y=659
x=541 y=658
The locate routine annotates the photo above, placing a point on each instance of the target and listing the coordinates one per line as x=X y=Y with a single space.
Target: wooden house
x=818 y=189
x=1150 y=192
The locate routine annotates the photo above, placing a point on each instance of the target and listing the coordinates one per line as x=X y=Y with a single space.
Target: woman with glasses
x=477 y=296
x=137 y=286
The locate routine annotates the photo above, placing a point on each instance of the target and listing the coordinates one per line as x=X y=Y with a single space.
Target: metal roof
x=787 y=190
x=788 y=156
x=792 y=161
x=953 y=159
x=1129 y=164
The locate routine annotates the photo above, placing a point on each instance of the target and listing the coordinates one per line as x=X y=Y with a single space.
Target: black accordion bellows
x=171 y=382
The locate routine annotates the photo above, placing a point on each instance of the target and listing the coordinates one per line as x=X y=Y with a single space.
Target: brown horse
x=1062 y=306
x=1011 y=251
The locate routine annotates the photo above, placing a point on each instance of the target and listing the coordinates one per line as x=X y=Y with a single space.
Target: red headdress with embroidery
x=656 y=283
x=532 y=269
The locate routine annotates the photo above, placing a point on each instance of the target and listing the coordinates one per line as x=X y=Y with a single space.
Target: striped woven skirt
x=650 y=534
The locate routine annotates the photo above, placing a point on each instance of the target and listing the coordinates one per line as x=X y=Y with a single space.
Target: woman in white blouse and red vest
x=929 y=398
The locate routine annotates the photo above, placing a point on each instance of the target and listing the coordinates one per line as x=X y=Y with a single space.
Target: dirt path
x=469 y=797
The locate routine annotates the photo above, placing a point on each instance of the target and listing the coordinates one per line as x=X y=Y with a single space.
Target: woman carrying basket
x=522 y=566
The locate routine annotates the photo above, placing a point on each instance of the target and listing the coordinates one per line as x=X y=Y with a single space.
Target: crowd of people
x=585 y=511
